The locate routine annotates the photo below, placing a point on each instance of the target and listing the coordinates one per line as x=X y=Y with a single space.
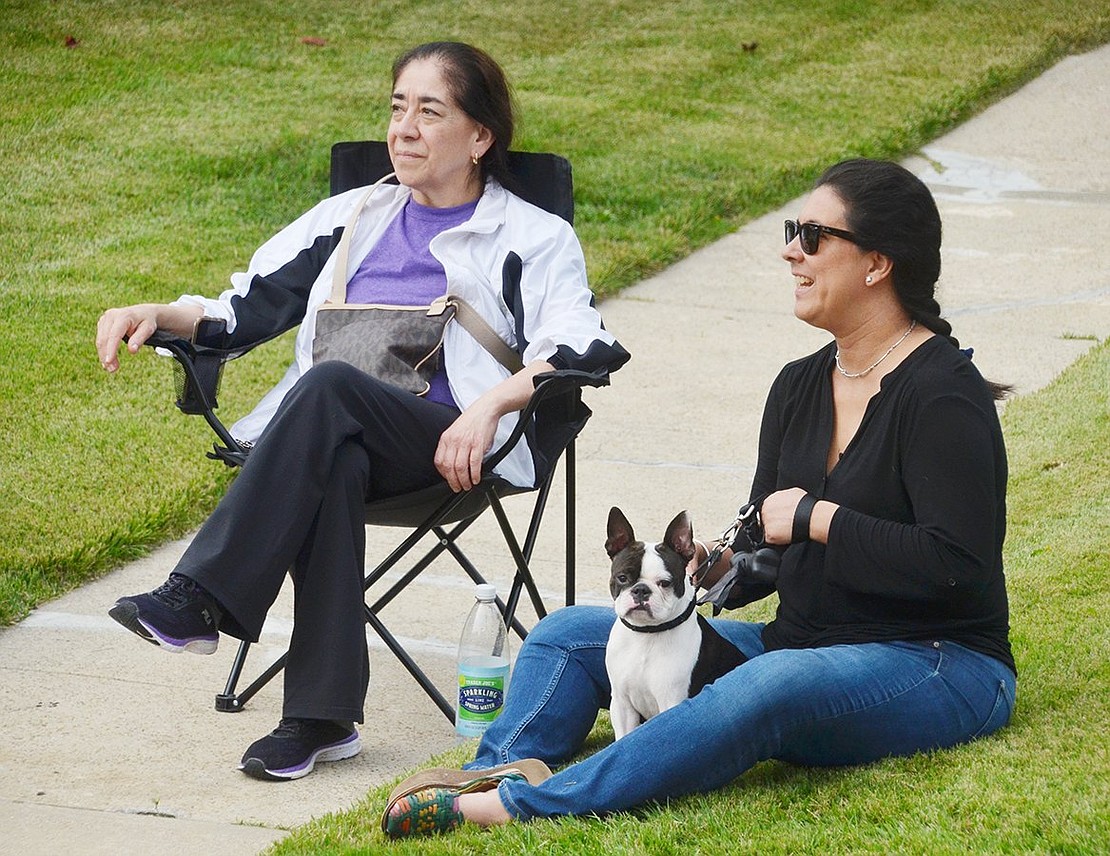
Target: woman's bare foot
x=484 y=808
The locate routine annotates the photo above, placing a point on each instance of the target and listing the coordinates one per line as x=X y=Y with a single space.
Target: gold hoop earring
x=474 y=159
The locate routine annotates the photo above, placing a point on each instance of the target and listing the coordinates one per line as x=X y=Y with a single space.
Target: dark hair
x=891 y=211
x=479 y=87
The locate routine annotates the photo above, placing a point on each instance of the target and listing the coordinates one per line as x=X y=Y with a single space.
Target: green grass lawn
x=148 y=147
x=1042 y=785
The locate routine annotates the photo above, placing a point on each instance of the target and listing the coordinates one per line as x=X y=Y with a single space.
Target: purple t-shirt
x=401 y=269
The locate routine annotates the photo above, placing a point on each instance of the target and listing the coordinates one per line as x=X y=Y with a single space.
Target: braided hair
x=891 y=211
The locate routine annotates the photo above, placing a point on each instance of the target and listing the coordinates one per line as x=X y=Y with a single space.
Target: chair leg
x=231 y=702
x=568 y=463
x=406 y=660
x=523 y=577
x=523 y=573
x=228 y=701
x=447 y=542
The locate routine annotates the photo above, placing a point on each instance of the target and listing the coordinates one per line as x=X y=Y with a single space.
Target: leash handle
x=747 y=520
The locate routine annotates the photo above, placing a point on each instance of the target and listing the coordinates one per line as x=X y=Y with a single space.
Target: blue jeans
x=844 y=704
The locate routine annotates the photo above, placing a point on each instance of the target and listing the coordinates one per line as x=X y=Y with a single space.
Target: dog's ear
x=680 y=536
x=620 y=532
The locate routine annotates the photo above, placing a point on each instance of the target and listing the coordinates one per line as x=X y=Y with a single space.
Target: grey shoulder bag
x=396 y=344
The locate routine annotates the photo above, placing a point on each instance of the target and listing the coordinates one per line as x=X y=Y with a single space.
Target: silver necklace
x=875 y=364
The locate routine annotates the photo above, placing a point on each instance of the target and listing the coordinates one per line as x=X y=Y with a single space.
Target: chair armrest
x=550 y=387
x=566 y=378
x=210 y=337
x=199 y=368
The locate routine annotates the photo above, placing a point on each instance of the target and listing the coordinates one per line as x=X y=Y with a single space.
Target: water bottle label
x=481 y=696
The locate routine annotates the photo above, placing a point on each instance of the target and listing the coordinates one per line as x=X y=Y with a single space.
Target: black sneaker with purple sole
x=178 y=616
x=293 y=749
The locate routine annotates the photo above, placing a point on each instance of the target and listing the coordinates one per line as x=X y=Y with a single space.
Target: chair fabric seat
x=412 y=509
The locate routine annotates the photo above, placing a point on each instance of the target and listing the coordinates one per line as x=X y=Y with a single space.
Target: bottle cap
x=485 y=592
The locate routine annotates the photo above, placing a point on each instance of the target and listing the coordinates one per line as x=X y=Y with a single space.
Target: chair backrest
x=543 y=179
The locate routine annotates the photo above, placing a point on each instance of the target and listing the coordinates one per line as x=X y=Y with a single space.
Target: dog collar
x=667 y=625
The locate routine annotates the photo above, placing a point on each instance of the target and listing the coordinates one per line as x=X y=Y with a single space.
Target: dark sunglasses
x=809 y=235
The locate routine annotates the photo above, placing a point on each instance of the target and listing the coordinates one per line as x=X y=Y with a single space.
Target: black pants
x=338 y=439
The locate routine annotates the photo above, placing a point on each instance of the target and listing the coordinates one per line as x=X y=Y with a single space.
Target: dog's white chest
x=650 y=672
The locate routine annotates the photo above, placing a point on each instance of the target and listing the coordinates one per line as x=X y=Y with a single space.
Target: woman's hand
x=137 y=324
x=777 y=517
x=711 y=575
x=463 y=446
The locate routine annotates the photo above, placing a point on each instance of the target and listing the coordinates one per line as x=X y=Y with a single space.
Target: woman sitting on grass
x=882 y=466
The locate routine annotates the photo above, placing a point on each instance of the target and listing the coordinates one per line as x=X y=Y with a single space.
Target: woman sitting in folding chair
x=335 y=437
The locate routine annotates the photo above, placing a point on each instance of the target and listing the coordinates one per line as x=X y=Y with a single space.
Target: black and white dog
x=660 y=650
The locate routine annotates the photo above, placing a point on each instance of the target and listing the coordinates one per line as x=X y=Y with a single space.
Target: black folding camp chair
x=549 y=423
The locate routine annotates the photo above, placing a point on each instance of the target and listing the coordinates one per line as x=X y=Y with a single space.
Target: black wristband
x=800 y=530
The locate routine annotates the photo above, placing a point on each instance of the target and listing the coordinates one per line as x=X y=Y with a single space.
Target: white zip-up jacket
x=552 y=312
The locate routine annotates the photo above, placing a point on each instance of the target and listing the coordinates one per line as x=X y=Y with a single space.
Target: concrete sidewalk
x=108 y=745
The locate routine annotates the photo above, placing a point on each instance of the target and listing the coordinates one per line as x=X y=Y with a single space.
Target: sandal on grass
x=425 y=812
x=425 y=802
x=530 y=770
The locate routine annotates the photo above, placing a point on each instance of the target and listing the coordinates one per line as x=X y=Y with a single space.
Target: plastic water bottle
x=483 y=665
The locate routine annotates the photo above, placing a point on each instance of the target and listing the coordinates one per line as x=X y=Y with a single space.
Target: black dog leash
x=759 y=565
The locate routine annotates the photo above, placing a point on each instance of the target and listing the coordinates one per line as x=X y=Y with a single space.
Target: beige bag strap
x=465 y=314
x=343 y=251
x=484 y=334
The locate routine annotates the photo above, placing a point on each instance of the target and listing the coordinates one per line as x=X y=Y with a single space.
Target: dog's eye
x=622 y=578
x=665 y=584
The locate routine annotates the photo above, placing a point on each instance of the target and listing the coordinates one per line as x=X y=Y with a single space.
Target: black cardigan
x=915 y=550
